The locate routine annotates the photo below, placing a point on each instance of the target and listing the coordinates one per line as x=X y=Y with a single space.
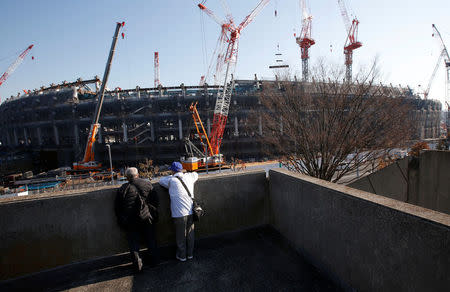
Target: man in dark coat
x=128 y=206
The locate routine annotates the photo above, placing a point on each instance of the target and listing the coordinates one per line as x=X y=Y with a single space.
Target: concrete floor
x=253 y=260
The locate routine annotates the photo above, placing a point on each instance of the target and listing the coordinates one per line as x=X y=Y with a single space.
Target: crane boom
x=344 y=14
x=14 y=65
x=211 y=14
x=88 y=161
x=427 y=90
x=437 y=35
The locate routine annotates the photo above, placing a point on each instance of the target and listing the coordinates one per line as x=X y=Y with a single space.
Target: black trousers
x=146 y=232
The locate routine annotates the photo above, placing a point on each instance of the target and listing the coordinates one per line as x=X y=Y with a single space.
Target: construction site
x=58 y=126
x=359 y=201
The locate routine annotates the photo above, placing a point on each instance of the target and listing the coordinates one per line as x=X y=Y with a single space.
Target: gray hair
x=131 y=172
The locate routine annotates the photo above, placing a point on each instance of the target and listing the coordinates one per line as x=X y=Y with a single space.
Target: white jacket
x=180 y=201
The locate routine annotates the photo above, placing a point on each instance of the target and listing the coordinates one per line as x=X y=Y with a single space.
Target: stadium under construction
x=47 y=128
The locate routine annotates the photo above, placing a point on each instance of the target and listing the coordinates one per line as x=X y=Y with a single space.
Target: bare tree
x=147 y=169
x=328 y=128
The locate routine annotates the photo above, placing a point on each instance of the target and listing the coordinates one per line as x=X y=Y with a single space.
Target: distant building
x=50 y=126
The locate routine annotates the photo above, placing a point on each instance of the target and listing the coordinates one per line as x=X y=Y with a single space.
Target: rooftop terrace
x=281 y=232
x=254 y=259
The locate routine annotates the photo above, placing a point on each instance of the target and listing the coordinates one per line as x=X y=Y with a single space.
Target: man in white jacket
x=181 y=208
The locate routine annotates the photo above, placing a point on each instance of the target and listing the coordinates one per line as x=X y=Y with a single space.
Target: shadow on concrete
x=255 y=259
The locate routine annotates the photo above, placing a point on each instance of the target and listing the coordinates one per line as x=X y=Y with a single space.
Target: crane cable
x=203 y=38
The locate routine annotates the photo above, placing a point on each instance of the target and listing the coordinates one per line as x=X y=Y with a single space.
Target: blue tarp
x=43 y=185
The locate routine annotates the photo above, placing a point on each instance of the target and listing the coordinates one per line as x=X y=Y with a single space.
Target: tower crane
x=304 y=40
x=14 y=65
x=351 y=43
x=88 y=162
x=446 y=58
x=228 y=46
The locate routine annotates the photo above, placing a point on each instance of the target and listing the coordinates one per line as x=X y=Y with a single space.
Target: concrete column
x=236 y=129
x=25 y=136
x=152 y=131
x=138 y=93
x=260 y=125
x=55 y=133
x=183 y=89
x=208 y=126
x=76 y=134
x=125 y=132
x=39 y=136
x=75 y=93
x=180 y=128
x=100 y=134
x=16 y=141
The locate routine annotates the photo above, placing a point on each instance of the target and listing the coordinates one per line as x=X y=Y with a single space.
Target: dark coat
x=127 y=202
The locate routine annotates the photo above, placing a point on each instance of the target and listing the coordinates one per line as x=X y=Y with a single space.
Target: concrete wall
x=424 y=181
x=434 y=181
x=370 y=242
x=37 y=234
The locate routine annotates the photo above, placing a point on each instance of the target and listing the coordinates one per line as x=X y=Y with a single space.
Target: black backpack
x=145 y=210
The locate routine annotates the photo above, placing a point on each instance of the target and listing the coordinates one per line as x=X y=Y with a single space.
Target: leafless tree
x=147 y=169
x=329 y=128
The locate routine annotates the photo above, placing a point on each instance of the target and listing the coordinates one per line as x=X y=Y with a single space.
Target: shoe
x=138 y=266
x=137 y=262
x=190 y=257
x=180 y=259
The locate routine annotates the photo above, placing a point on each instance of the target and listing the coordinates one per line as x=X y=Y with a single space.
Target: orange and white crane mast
x=14 y=65
x=230 y=33
x=88 y=162
x=305 y=40
x=157 y=82
x=351 y=42
x=446 y=58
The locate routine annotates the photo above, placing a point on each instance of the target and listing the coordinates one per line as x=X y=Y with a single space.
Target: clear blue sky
x=72 y=39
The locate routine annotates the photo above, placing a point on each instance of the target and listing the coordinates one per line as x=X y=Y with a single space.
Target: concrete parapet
x=42 y=233
x=369 y=242
x=391 y=182
x=423 y=181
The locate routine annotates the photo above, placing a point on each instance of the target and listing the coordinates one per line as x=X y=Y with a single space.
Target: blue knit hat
x=176 y=166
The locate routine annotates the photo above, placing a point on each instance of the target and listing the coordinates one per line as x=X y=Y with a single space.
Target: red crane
x=227 y=48
x=351 y=42
x=304 y=40
x=14 y=65
x=228 y=52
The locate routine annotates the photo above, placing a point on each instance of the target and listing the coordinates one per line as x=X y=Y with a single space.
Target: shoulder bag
x=197 y=210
